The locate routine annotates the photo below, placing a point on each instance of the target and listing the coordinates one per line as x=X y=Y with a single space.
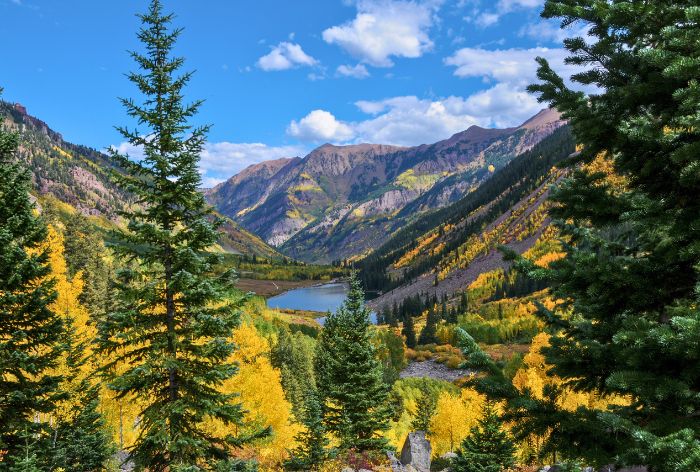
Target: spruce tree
x=409 y=331
x=428 y=334
x=629 y=320
x=29 y=331
x=425 y=410
x=312 y=450
x=83 y=444
x=487 y=448
x=169 y=337
x=349 y=376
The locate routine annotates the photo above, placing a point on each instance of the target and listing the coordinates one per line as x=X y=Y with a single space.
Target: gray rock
x=448 y=455
x=416 y=452
x=396 y=465
x=347 y=469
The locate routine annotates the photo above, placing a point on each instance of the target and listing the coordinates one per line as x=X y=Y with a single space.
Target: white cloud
x=358 y=71
x=285 y=56
x=409 y=120
x=320 y=125
x=224 y=159
x=486 y=19
x=384 y=29
x=221 y=160
x=512 y=66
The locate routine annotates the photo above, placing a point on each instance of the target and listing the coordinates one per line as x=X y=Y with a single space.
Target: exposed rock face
x=416 y=451
x=340 y=201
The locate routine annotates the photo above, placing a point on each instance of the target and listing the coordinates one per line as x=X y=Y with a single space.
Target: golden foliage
x=454 y=417
x=260 y=388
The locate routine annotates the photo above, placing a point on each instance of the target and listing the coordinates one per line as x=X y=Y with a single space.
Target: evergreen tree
x=428 y=334
x=409 y=331
x=29 y=330
x=628 y=319
x=349 y=376
x=311 y=452
x=83 y=444
x=487 y=448
x=169 y=337
x=425 y=410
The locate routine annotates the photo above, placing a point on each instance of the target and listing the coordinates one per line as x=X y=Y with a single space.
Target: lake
x=323 y=298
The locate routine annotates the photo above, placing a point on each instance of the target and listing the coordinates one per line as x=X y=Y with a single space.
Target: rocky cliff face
x=340 y=201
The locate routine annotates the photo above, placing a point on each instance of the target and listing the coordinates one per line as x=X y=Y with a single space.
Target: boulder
x=416 y=452
x=396 y=465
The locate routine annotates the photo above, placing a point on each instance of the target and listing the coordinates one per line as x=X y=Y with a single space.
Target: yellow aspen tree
x=259 y=385
x=454 y=417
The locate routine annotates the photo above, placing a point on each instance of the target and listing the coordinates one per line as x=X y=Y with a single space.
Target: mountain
x=81 y=177
x=443 y=252
x=339 y=202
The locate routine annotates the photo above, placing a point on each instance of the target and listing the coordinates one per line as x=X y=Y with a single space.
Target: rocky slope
x=444 y=251
x=339 y=202
x=81 y=177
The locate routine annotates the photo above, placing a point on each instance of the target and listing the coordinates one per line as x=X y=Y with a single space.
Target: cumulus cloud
x=221 y=160
x=409 y=120
x=358 y=71
x=512 y=66
x=384 y=29
x=285 y=56
x=320 y=125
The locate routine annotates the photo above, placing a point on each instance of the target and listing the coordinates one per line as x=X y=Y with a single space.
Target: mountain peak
x=543 y=117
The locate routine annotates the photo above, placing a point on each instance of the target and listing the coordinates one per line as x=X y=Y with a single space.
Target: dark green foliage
x=173 y=316
x=425 y=409
x=632 y=272
x=428 y=334
x=409 y=332
x=294 y=356
x=629 y=320
x=349 y=376
x=84 y=252
x=29 y=331
x=313 y=443
x=83 y=444
x=390 y=352
x=487 y=448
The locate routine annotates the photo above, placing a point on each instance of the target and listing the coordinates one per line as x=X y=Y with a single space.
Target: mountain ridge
x=338 y=202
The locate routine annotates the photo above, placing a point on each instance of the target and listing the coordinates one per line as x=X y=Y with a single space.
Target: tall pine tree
x=29 y=330
x=169 y=337
x=409 y=331
x=629 y=321
x=349 y=376
x=487 y=448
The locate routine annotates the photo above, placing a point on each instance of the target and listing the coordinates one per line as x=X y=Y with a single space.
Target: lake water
x=323 y=298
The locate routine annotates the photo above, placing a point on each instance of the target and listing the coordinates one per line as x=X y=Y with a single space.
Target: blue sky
x=281 y=77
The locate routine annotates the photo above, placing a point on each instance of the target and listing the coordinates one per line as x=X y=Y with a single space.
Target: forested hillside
x=444 y=251
x=84 y=179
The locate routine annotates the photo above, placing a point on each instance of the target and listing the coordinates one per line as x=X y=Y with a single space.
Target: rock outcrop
x=416 y=452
